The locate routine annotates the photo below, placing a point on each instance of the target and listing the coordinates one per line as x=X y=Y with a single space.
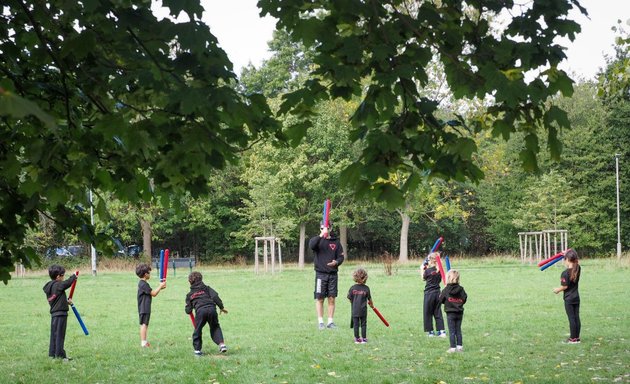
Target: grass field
x=514 y=328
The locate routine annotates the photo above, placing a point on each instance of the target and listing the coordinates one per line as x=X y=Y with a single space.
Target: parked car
x=58 y=252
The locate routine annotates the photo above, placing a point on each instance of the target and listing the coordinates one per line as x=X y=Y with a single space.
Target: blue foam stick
x=161 y=267
x=76 y=313
x=448 y=263
x=549 y=264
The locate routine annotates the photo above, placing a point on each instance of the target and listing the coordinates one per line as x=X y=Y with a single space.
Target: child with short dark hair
x=204 y=301
x=454 y=297
x=432 y=308
x=569 y=281
x=145 y=296
x=359 y=295
x=55 y=291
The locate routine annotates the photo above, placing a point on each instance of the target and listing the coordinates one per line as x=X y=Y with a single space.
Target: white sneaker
x=451 y=350
x=442 y=333
x=460 y=348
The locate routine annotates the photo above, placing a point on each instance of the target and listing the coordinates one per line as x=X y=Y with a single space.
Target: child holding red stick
x=359 y=295
x=569 y=281
x=204 y=300
x=55 y=291
x=454 y=297
x=145 y=296
x=432 y=308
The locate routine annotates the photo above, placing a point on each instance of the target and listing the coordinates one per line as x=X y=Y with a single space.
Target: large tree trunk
x=343 y=237
x=302 y=245
x=404 y=235
x=146 y=239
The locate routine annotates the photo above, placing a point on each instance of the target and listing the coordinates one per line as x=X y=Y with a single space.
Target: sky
x=243 y=34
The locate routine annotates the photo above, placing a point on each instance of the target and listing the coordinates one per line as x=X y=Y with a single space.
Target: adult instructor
x=328 y=256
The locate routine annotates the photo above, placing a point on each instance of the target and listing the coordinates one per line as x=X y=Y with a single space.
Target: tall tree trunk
x=404 y=235
x=302 y=245
x=146 y=239
x=343 y=237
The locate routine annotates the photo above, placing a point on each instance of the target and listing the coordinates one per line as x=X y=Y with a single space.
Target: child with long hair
x=454 y=297
x=569 y=281
x=431 y=306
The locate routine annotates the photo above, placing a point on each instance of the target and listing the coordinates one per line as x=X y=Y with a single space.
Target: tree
x=390 y=43
x=132 y=99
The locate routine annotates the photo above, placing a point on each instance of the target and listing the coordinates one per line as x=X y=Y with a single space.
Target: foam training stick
x=161 y=265
x=74 y=284
x=379 y=315
x=192 y=318
x=438 y=261
x=552 y=258
x=549 y=264
x=165 y=265
x=76 y=313
x=326 y=214
x=436 y=245
x=447 y=262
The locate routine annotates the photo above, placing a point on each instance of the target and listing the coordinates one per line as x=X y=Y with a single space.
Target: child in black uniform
x=145 y=296
x=454 y=297
x=55 y=291
x=569 y=281
x=204 y=300
x=432 y=308
x=359 y=296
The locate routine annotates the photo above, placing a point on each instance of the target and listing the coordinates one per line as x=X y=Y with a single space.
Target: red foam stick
x=438 y=261
x=552 y=258
x=379 y=315
x=326 y=214
x=165 y=265
x=192 y=318
x=74 y=284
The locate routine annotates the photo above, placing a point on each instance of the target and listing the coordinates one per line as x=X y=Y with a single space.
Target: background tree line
x=279 y=190
x=416 y=118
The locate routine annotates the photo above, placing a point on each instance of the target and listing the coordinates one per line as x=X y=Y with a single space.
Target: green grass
x=514 y=328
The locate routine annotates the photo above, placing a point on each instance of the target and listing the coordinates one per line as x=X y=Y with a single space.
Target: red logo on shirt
x=333 y=246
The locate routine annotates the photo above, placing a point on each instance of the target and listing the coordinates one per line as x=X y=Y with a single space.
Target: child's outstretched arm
x=157 y=290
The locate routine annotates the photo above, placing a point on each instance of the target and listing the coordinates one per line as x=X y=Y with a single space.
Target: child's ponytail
x=572 y=257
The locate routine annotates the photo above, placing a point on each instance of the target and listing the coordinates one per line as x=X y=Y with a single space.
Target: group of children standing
x=205 y=300
x=453 y=297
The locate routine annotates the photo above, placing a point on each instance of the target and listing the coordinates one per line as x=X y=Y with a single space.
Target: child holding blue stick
x=55 y=291
x=569 y=281
x=431 y=306
x=145 y=296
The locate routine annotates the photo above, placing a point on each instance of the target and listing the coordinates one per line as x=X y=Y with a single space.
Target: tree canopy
x=102 y=95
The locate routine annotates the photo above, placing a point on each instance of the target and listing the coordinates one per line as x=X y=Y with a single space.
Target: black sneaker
x=331 y=326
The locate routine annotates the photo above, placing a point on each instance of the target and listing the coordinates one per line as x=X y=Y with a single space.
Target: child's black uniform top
x=201 y=296
x=56 y=295
x=144 y=297
x=571 y=294
x=359 y=295
x=432 y=277
x=453 y=297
